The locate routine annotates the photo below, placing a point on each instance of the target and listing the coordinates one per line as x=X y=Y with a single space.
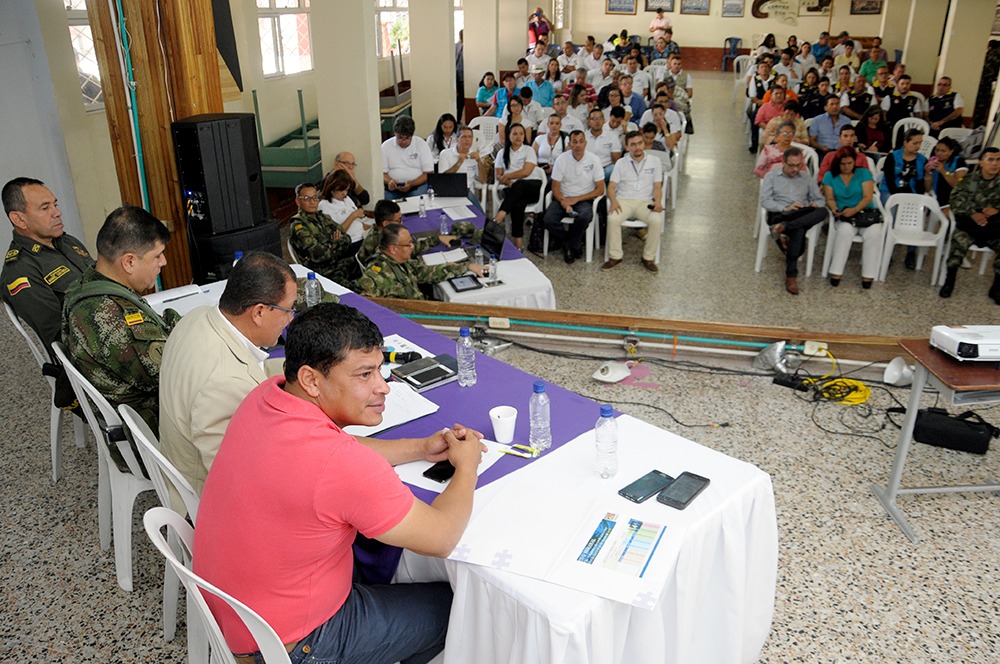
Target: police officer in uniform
x=320 y=243
x=42 y=261
x=944 y=109
x=392 y=273
x=902 y=104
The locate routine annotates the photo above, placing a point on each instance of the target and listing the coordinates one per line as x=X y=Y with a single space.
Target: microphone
x=399 y=358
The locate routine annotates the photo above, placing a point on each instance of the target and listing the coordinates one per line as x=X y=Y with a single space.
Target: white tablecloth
x=718 y=600
x=523 y=285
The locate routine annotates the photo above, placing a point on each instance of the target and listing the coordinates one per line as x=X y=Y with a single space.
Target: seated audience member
x=515 y=115
x=553 y=76
x=684 y=90
x=112 y=335
x=781 y=80
x=668 y=124
x=636 y=52
x=581 y=80
x=789 y=114
x=905 y=170
x=635 y=192
x=757 y=85
x=944 y=108
x=577 y=179
x=793 y=42
x=876 y=51
x=345 y=161
x=814 y=104
x=773 y=154
x=850 y=192
x=336 y=204
x=821 y=48
x=213 y=359
x=569 y=122
x=464 y=158
x=650 y=140
x=788 y=67
x=568 y=60
x=551 y=144
x=848 y=58
x=406 y=161
x=42 y=261
x=641 y=82
x=805 y=58
x=975 y=204
x=660 y=50
x=387 y=212
x=902 y=103
x=772 y=108
x=484 y=95
x=869 y=68
x=539 y=56
x=678 y=101
x=882 y=86
x=630 y=98
x=845 y=41
x=522 y=76
x=593 y=60
x=510 y=89
x=515 y=170
x=808 y=85
x=794 y=204
x=615 y=101
x=872 y=131
x=443 y=136
x=531 y=110
x=845 y=82
x=615 y=125
x=604 y=145
x=767 y=46
x=672 y=47
x=858 y=100
x=319 y=242
x=848 y=139
x=294 y=566
x=393 y=272
x=897 y=73
x=827 y=70
x=824 y=132
x=947 y=168
x=602 y=78
x=577 y=105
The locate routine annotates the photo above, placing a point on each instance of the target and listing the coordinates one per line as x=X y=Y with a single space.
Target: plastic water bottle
x=430 y=196
x=314 y=291
x=606 y=433
x=423 y=208
x=494 y=272
x=443 y=223
x=237 y=257
x=539 y=411
x=480 y=255
x=466 y=358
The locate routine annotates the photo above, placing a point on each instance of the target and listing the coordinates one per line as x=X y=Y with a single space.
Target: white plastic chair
x=764 y=239
x=592 y=236
x=671 y=174
x=271 y=648
x=958 y=133
x=927 y=146
x=116 y=490
x=537 y=207
x=907 y=217
x=740 y=65
x=879 y=175
x=659 y=62
x=811 y=157
x=635 y=223
x=901 y=126
x=163 y=473
x=487 y=126
x=55 y=414
x=292 y=254
x=857 y=239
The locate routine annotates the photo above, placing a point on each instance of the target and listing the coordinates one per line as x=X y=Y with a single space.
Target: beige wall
x=432 y=26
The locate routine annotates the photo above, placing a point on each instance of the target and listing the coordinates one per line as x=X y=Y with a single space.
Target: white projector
x=968 y=342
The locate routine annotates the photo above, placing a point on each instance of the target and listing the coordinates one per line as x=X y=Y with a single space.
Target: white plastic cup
x=503 y=418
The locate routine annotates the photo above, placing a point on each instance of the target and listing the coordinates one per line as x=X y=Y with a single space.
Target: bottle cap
x=539 y=386
x=311 y=276
x=607 y=410
x=238 y=255
x=463 y=331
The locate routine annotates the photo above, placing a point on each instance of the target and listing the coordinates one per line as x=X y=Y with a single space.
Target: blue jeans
x=404 y=622
x=396 y=195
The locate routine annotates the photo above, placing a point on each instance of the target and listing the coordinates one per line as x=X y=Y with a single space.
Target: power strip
x=794 y=382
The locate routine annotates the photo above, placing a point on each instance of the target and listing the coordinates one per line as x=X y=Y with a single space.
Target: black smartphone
x=440 y=472
x=679 y=493
x=646 y=486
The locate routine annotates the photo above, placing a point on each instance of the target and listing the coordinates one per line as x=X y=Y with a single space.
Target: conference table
x=523 y=284
x=715 y=563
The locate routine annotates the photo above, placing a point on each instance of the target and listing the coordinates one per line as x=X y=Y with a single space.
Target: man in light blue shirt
x=542 y=91
x=824 y=132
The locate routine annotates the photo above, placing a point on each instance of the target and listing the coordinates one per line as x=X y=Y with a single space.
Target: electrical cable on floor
x=710 y=425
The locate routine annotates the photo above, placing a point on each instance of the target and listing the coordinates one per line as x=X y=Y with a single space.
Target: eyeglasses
x=279 y=308
x=308 y=198
x=352 y=164
x=408 y=244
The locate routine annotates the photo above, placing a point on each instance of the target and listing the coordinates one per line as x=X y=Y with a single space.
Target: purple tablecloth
x=432 y=222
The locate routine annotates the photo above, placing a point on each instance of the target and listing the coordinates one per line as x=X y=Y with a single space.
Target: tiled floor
x=850 y=586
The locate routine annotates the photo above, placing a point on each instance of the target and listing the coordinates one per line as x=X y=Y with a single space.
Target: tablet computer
x=466 y=282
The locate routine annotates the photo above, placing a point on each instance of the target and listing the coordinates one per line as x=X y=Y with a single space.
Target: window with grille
x=285 y=42
x=82 y=39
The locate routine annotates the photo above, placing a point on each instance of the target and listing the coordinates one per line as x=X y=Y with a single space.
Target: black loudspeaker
x=212 y=255
x=218 y=165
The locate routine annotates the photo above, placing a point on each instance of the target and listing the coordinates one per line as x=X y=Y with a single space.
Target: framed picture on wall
x=665 y=5
x=866 y=6
x=619 y=6
x=698 y=7
x=814 y=7
x=732 y=8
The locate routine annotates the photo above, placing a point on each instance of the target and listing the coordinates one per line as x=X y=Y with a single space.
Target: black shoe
x=866 y=284
x=834 y=281
x=949 y=282
x=911 y=263
x=569 y=256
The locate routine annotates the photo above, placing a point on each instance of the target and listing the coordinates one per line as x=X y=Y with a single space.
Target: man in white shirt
x=462 y=158
x=601 y=77
x=616 y=124
x=406 y=161
x=641 y=81
x=577 y=179
x=605 y=147
x=569 y=122
x=523 y=75
x=538 y=57
x=635 y=192
x=667 y=121
x=789 y=67
x=593 y=61
x=568 y=60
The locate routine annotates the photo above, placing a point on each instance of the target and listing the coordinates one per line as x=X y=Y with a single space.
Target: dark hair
x=822 y=79
x=791 y=152
x=905 y=77
x=258 y=278
x=847 y=127
x=385 y=210
x=521 y=61
x=617 y=112
x=439 y=132
x=548 y=71
x=911 y=132
x=390 y=233
x=13 y=194
x=825 y=58
x=526 y=93
x=506 y=142
x=649 y=128
x=790 y=52
x=404 y=126
x=575 y=132
x=813 y=71
x=632 y=134
x=321 y=337
x=768 y=40
x=575 y=93
x=304 y=185
x=655 y=105
x=792 y=105
x=339 y=180
x=130 y=229
x=482 y=81
x=846 y=152
x=951 y=144
x=990 y=150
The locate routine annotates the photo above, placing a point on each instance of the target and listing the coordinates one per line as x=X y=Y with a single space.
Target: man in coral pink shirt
x=289 y=490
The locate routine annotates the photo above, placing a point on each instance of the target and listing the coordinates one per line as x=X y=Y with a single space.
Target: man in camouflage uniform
x=113 y=336
x=392 y=273
x=975 y=202
x=42 y=261
x=387 y=212
x=319 y=242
